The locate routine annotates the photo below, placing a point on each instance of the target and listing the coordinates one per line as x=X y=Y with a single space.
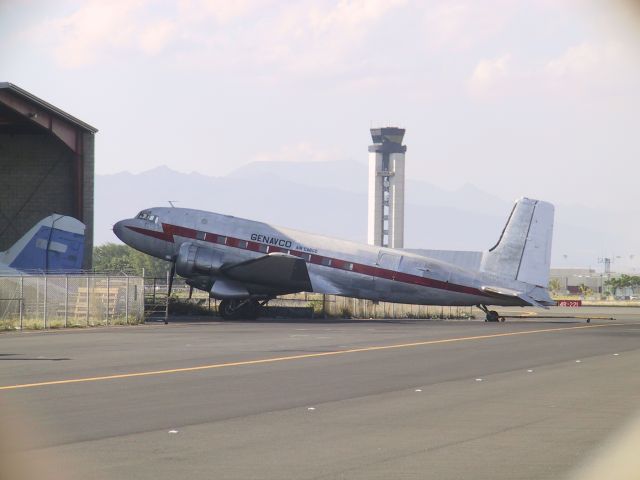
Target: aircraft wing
x=275 y=269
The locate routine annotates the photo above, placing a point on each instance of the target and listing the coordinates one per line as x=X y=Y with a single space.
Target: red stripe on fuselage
x=168 y=232
x=152 y=233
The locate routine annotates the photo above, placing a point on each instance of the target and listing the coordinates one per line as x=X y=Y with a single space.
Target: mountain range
x=331 y=198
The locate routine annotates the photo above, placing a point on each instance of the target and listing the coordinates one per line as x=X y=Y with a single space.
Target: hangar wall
x=36 y=176
x=46 y=166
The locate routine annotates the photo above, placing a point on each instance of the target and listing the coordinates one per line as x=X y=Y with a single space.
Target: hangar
x=46 y=166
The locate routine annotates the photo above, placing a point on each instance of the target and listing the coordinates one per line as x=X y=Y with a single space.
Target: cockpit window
x=147 y=216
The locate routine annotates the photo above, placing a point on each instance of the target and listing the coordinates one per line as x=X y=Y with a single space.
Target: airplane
x=246 y=263
x=53 y=245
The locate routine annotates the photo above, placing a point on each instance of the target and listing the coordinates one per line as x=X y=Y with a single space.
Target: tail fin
x=523 y=251
x=55 y=243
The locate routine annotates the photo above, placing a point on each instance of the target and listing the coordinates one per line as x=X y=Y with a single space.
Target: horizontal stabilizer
x=505 y=292
x=538 y=297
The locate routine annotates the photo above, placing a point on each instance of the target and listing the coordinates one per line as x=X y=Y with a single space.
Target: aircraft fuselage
x=334 y=266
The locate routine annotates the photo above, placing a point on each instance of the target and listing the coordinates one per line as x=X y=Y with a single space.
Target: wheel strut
x=491 y=315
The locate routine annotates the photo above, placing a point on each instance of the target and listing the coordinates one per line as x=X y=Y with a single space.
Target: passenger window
x=222 y=240
x=201 y=235
x=326 y=262
x=263 y=248
x=242 y=243
x=347 y=266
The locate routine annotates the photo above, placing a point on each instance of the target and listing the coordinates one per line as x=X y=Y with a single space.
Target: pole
x=324 y=306
x=21 y=300
x=66 y=300
x=44 y=310
x=166 y=311
x=108 y=300
x=87 y=301
x=126 y=303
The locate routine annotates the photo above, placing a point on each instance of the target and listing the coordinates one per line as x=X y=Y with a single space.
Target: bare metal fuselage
x=334 y=266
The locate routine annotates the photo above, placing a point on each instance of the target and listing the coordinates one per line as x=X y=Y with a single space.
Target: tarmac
x=318 y=399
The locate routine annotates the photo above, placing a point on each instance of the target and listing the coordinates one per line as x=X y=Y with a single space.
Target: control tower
x=386 y=187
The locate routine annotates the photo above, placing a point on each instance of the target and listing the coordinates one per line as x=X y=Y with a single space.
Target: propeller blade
x=172 y=274
x=190 y=291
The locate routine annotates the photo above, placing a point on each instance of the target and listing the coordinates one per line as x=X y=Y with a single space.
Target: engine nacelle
x=197 y=260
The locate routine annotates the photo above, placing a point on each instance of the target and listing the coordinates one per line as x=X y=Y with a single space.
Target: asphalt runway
x=318 y=399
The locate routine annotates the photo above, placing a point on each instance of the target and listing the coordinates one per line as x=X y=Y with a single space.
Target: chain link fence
x=59 y=301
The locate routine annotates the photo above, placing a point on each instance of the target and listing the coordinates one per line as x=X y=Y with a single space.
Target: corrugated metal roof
x=47 y=106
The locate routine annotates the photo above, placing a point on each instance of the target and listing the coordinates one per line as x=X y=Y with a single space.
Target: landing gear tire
x=248 y=309
x=491 y=315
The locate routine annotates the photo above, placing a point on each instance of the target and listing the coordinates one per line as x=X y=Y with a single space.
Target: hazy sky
x=535 y=97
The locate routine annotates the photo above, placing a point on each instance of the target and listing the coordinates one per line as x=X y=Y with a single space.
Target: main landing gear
x=491 y=315
x=248 y=309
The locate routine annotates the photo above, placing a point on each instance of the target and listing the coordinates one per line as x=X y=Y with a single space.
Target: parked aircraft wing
x=321 y=284
x=275 y=269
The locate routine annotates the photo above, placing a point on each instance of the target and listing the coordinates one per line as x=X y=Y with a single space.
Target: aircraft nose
x=119 y=230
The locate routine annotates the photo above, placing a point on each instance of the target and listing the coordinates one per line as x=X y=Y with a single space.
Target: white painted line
x=616 y=354
x=578 y=361
x=478 y=379
x=418 y=389
x=173 y=431
x=530 y=371
x=311 y=408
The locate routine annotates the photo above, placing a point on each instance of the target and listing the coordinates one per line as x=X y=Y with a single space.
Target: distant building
x=386 y=188
x=570 y=280
x=46 y=166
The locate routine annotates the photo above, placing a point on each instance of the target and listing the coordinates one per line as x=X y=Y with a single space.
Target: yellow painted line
x=296 y=357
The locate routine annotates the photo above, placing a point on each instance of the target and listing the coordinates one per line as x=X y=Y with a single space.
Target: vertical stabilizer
x=523 y=252
x=55 y=243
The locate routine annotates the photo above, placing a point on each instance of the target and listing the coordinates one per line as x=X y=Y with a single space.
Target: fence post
x=21 y=300
x=166 y=311
x=126 y=303
x=87 y=301
x=66 y=300
x=107 y=319
x=324 y=306
x=44 y=309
